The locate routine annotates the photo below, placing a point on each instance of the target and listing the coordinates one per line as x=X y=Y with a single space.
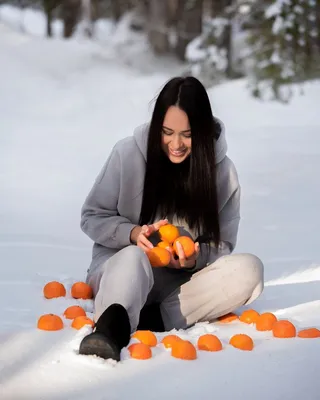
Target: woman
x=172 y=170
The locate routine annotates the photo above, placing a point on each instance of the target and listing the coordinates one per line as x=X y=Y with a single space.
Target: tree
x=189 y=24
x=285 y=47
x=49 y=6
x=158 y=26
x=70 y=10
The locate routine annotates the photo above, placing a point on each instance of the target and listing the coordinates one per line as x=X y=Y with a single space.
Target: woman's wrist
x=134 y=234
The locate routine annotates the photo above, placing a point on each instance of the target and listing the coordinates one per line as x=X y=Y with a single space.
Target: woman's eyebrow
x=187 y=130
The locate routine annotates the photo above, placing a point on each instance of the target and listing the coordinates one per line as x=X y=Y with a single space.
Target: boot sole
x=99 y=345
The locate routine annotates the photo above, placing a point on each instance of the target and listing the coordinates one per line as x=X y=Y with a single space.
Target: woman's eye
x=166 y=132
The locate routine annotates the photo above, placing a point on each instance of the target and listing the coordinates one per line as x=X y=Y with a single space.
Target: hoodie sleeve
x=100 y=219
x=229 y=216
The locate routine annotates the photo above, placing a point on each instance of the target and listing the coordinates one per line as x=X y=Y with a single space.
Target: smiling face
x=176 y=135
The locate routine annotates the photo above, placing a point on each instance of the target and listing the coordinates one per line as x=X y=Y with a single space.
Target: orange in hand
x=310 y=333
x=209 y=342
x=242 y=342
x=81 y=321
x=81 y=290
x=159 y=257
x=140 y=351
x=74 y=311
x=184 y=349
x=225 y=319
x=265 y=322
x=284 y=329
x=146 y=337
x=54 y=289
x=169 y=233
x=169 y=340
x=50 y=322
x=249 y=316
x=187 y=245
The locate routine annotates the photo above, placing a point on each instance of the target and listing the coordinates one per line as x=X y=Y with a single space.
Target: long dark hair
x=186 y=190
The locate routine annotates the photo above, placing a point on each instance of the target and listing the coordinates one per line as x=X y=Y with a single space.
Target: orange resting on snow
x=242 y=342
x=74 y=311
x=187 y=245
x=225 y=319
x=140 y=351
x=249 y=316
x=265 y=322
x=169 y=233
x=184 y=349
x=50 y=322
x=81 y=290
x=310 y=333
x=209 y=342
x=284 y=329
x=169 y=340
x=159 y=257
x=54 y=289
x=146 y=337
x=81 y=321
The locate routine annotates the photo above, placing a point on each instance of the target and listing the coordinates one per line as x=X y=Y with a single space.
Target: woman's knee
x=251 y=273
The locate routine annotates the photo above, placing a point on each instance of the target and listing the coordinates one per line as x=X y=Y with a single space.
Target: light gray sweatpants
x=127 y=278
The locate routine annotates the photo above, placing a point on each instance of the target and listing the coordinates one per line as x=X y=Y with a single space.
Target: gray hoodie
x=112 y=208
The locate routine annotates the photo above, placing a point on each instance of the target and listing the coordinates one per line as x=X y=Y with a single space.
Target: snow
x=63 y=105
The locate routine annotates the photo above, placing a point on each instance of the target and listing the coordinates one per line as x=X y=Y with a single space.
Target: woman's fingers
x=181 y=254
x=157 y=225
x=144 y=243
x=173 y=262
x=196 y=249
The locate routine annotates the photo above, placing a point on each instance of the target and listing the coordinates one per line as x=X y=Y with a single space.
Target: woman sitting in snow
x=172 y=170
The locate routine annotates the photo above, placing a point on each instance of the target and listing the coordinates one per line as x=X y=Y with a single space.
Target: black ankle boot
x=111 y=333
x=151 y=319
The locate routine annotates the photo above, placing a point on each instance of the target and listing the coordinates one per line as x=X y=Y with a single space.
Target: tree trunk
x=70 y=15
x=86 y=13
x=217 y=7
x=158 y=30
x=49 y=6
x=189 y=24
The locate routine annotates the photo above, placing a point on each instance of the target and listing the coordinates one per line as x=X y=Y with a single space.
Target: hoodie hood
x=141 y=137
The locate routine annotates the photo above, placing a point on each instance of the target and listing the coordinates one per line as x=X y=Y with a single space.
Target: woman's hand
x=139 y=234
x=183 y=261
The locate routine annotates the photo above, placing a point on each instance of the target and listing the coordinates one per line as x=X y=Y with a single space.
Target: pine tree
x=285 y=47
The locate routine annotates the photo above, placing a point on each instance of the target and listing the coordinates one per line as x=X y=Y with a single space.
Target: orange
x=73 y=312
x=146 y=337
x=209 y=342
x=164 y=244
x=249 y=316
x=81 y=290
x=169 y=233
x=265 y=322
x=159 y=257
x=242 y=342
x=184 y=349
x=284 y=329
x=310 y=333
x=81 y=321
x=54 y=289
x=50 y=322
x=140 y=351
x=225 y=319
x=187 y=245
x=169 y=340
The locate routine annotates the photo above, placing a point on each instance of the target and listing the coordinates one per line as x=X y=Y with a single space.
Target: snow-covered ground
x=62 y=107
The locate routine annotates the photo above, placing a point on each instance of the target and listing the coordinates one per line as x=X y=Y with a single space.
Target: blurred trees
x=273 y=42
